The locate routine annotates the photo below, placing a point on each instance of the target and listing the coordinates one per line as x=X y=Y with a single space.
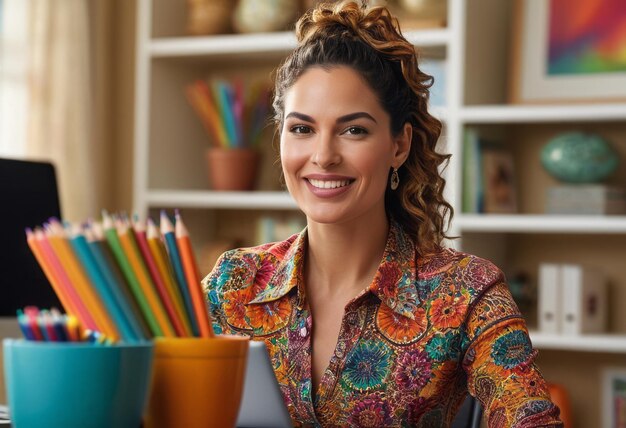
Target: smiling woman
x=368 y=319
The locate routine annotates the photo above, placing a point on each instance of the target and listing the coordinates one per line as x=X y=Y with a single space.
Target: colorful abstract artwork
x=586 y=36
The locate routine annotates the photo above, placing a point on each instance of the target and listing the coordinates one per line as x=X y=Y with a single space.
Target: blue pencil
x=104 y=290
x=167 y=230
x=24 y=326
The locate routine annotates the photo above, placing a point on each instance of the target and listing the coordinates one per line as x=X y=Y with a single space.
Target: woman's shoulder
x=464 y=271
x=239 y=268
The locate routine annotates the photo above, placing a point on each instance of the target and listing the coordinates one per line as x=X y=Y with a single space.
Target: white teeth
x=328 y=184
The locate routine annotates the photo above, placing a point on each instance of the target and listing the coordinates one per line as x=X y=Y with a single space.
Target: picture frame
x=550 y=64
x=614 y=398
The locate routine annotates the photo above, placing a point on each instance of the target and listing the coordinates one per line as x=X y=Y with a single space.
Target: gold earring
x=395 y=179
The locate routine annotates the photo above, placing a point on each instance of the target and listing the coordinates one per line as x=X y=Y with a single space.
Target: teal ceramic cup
x=76 y=385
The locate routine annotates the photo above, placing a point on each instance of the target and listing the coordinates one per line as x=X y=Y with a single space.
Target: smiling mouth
x=329 y=184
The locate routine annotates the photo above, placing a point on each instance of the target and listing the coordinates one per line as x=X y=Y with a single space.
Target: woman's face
x=336 y=146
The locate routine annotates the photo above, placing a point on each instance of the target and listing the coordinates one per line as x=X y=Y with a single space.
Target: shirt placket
x=349 y=333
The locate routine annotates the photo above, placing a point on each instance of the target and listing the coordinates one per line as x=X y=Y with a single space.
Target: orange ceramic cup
x=197 y=382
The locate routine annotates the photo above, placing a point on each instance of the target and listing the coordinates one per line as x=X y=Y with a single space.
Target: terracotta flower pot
x=232 y=169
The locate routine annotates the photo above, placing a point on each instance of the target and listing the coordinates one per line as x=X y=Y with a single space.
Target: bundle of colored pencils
x=124 y=279
x=49 y=326
x=231 y=120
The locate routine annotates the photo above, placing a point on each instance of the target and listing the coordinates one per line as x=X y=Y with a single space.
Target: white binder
x=549 y=298
x=584 y=300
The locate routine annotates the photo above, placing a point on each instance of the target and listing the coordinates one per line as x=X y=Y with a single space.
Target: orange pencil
x=57 y=285
x=160 y=258
x=135 y=260
x=159 y=282
x=82 y=314
x=193 y=278
x=56 y=236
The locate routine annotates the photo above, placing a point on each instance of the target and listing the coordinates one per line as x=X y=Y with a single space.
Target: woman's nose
x=325 y=153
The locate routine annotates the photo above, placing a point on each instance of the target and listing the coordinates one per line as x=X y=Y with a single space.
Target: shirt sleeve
x=215 y=284
x=500 y=364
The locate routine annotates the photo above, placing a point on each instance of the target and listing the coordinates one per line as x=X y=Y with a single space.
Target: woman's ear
x=402 y=145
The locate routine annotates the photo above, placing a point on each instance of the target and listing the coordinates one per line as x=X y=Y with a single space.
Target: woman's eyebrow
x=357 y=115
x=342 y=119
x=300 y=116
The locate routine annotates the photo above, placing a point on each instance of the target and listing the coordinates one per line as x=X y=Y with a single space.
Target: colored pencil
x=167 y=231
x=98 y=279
x=226 y=112
x=58 y=324
x=140 y=236
x=115 y=279
x=122 y=259
x=134 y=257
x=54 y=280
x=106 y=259
x=193 y=278
x=73 y=328
x=159 y=255
x=56 y=236
x=82 y=313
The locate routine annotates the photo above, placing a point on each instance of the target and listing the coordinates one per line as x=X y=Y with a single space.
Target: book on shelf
x=586 y=199
x=489 y=184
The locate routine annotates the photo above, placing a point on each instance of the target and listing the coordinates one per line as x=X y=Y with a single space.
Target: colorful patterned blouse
x=411 y=345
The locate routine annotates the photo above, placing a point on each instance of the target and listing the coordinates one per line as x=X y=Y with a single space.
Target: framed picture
x=568 y=50
x=614 y=398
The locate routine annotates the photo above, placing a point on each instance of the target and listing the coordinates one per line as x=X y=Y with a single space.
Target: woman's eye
x=300 y=129
x=355 y=130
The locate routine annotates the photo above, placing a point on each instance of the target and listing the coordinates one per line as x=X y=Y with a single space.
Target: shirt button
x=341 y=350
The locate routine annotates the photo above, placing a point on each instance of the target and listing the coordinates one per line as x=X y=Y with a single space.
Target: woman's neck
x=345 y=255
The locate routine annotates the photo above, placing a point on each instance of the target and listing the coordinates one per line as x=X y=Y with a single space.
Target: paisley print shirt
x=411 y=345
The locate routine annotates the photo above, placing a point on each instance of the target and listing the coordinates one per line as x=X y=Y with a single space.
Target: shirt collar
x=394 y=283
x=287 y=273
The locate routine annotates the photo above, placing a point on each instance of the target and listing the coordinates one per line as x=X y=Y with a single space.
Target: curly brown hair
x=369 y=41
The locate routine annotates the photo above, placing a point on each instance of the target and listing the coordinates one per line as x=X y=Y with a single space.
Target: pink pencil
x=82 y=313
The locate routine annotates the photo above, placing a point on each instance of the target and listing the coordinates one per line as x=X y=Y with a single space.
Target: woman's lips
x=328 y=188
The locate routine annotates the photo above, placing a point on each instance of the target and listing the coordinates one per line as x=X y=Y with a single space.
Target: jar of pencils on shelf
x=232 y=168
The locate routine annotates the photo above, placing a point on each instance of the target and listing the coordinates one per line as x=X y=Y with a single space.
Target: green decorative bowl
x=579 y=158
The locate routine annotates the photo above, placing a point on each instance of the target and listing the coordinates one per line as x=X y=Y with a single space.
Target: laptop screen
x=28 y=198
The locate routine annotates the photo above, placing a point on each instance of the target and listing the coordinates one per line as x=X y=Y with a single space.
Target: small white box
x=584 y=292
x=549 y=298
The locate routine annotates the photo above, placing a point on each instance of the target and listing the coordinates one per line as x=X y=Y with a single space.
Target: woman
x=368 y=320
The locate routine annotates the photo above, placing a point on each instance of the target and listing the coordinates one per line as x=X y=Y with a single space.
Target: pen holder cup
x=76 y=385
x=232 y=169
x=197 y=382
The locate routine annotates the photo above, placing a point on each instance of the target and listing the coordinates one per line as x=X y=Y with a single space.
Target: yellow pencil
x=56 y=237
x=135 y=260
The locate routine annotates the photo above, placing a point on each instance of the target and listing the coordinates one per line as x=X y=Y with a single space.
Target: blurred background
x=146 y=105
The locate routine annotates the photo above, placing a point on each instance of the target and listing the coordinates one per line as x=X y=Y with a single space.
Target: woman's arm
x=499 y=362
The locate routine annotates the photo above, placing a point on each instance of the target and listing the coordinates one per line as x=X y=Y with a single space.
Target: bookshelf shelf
x=523 y=223
x=610 y=343
x=224 y=200
x=537 y=113
x=279 y=42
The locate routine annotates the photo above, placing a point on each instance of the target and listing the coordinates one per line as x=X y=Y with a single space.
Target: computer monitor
x=28 y=198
